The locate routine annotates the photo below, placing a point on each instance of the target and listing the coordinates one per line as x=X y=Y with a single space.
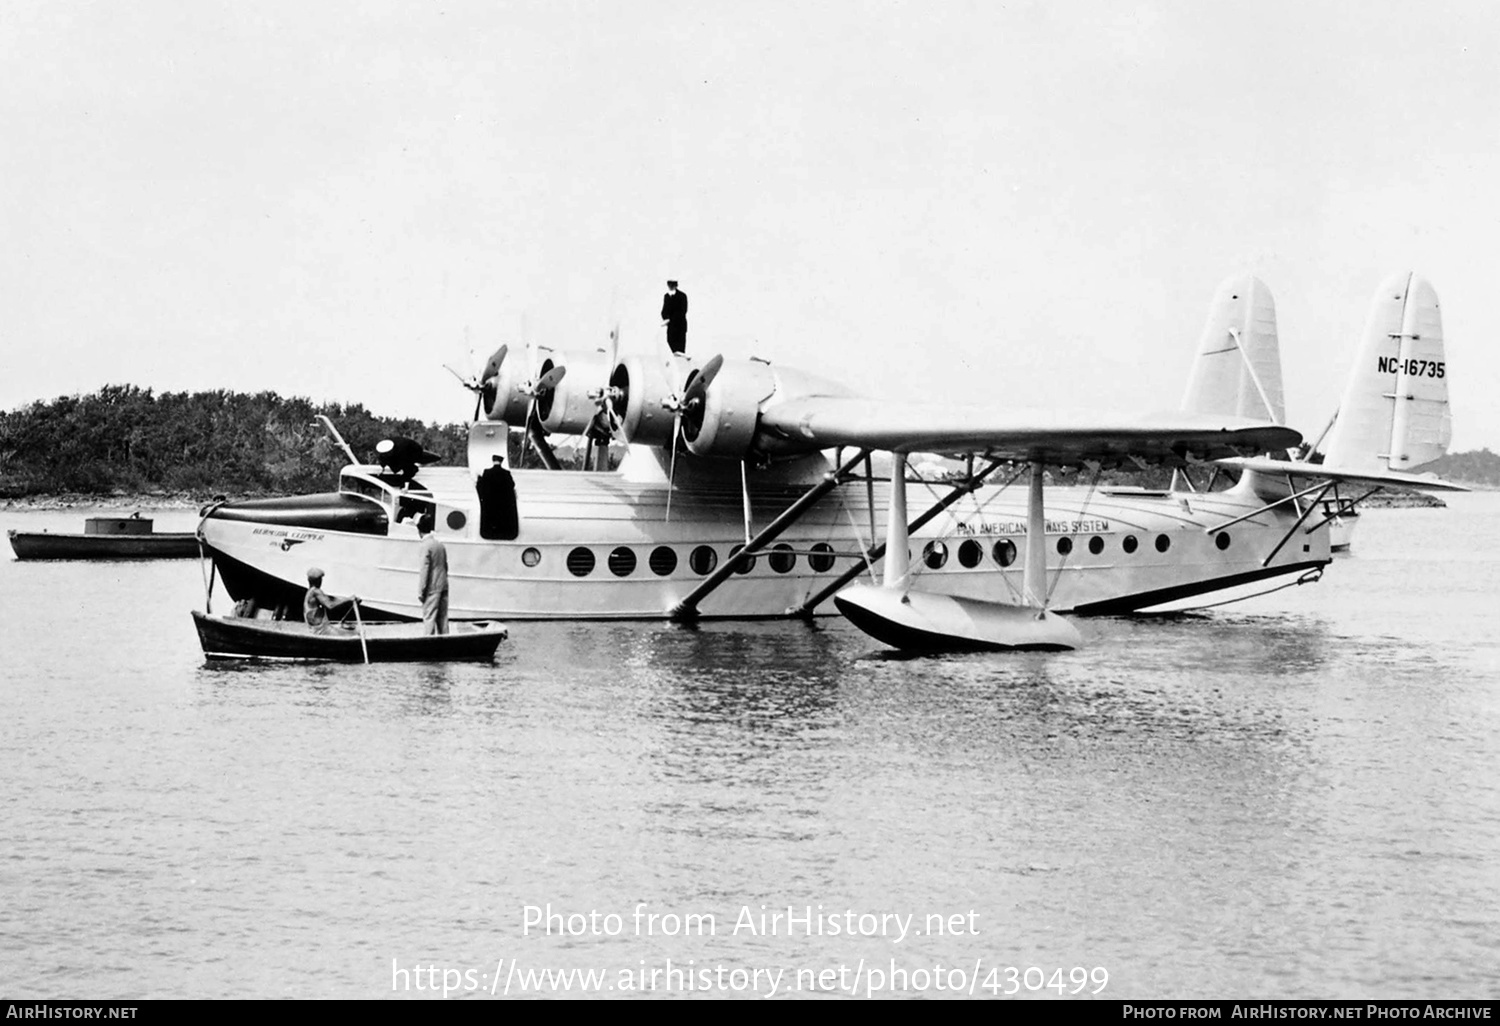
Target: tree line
x=126 y=439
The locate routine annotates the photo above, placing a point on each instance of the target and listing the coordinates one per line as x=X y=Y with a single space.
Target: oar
x=360 y=625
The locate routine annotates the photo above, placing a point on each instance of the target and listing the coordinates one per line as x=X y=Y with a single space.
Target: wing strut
x=1293 y=529
x=897 y=536
x=1034 y=583
x=907 y=617
x=876 y=552
x=1343 y=507
x=687 y=609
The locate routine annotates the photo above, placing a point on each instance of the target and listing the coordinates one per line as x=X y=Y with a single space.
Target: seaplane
x=753 y=490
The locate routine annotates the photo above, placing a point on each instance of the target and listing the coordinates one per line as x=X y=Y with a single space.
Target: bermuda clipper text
x=864 y=978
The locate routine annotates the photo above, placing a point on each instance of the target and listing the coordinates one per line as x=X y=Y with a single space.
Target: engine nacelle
x=501 y=383
x=721 y=420
x=568 y=407
x=640 y=386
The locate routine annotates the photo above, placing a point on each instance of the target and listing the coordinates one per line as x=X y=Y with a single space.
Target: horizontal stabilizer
x=1354 y=475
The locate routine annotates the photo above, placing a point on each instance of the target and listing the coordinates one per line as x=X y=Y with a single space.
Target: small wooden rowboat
x=106 y=538
x=237 y=637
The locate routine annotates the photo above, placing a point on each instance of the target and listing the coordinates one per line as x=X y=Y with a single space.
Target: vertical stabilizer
x=1394 y=414
x=1237 y=371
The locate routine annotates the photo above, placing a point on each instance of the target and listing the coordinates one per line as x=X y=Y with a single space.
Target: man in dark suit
x=674 y=316
x=498 y=517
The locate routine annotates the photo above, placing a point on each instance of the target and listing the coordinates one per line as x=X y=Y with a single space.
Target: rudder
x=1394 y=414
x=1237 y=370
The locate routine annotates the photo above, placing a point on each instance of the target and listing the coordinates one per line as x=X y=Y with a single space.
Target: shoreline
x=66 y=501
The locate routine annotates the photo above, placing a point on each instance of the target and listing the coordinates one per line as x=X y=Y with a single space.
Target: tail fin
x=1394 y=413
x=1237 y=371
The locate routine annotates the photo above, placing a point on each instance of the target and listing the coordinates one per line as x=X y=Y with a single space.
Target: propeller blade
x=709 y=372
x=696 y=394
x=549 y=380
x=492 y=365
x=672 y=473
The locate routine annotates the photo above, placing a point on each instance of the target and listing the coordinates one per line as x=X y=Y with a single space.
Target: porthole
x=1129 y=543
x=1005 y=552
x=1163 y=543
x=531 y=556
x=1096 y=545
x=745 y=565
x=782 y=558
x=970 y=553
x=1222 y=540
x=581 y=562
x=703 y=559
x=935 y=554
x=821 y=559
x=456 y=519
x=662 y=561
x=1064 y=546
x=622 y=562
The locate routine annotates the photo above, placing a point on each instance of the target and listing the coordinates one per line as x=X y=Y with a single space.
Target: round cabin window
x=1064 y=546
x=1222 y=540
x=581 y=562
x=935 y=555
x=703 y=559
x=663 y=560
x=1129 y=543
x=742 y=566
x=1005 y=552
x=782 y=558
x=1096 y=545
x=821 y=559
x=456 y=519
x=531 y=556
x=970 y=553
x=1163 y=543
x=622 y=562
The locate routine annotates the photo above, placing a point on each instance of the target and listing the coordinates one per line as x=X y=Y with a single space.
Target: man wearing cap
x=319 y=605
x=498 y=517
x=432 y=579
x=674 y=316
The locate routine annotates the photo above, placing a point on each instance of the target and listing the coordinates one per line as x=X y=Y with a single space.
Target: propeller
x=537 y=387
x=690 y=404
x=483 y=383
x=605 y=425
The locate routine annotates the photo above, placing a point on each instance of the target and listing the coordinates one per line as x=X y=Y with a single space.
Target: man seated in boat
x=318 y=606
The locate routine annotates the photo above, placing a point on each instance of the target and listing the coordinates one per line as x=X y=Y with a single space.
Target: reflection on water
x=1288 y=797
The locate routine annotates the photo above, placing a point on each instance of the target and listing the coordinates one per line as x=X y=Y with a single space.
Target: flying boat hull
x=596 y=546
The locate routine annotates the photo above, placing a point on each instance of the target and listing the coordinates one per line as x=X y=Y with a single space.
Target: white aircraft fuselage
x=601 y=545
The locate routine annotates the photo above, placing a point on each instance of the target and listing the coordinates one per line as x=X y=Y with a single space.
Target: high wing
x=1049 y=436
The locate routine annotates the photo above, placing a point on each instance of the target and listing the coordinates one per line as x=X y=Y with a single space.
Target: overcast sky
x=1018 y=203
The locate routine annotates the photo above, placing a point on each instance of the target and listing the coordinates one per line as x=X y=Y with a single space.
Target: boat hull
x=228 y=637
x=46 y=545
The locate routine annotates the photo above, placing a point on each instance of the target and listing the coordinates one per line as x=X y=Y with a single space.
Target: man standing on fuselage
x=674 y=316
